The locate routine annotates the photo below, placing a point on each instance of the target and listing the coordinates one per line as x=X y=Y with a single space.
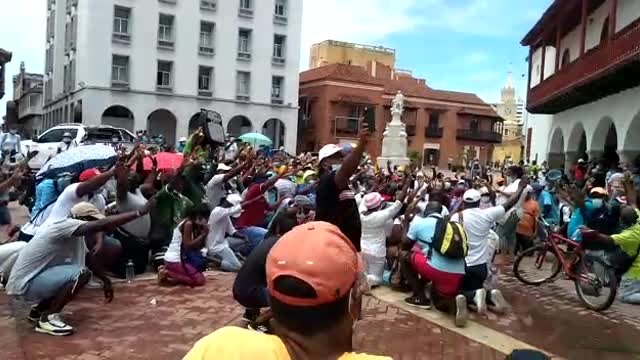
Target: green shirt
x=170 y=208
x=629 y=240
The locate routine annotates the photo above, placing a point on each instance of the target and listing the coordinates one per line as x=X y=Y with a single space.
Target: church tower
x=510 y=111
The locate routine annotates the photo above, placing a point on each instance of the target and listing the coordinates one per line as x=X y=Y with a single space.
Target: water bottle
x=130 y=271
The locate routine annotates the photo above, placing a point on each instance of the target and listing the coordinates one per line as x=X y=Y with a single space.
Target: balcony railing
x=346 y=127
x=556 y=93
x=476 y=135
x=430 y=132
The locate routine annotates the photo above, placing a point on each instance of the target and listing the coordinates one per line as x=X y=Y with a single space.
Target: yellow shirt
x=629 y=240
x=234 y=343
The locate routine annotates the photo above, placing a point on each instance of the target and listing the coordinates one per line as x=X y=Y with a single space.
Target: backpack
x=450 y=239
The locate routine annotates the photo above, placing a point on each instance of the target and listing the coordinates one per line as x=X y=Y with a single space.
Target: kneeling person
x=41 y=273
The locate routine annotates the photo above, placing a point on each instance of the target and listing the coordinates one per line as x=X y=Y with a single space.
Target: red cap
x=319 y=254
x=89 y=174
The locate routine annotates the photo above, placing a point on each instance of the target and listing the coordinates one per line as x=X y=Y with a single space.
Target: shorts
x=49 y=281
x=444 y=283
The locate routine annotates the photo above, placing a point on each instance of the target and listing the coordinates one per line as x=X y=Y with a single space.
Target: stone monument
x=394 y=141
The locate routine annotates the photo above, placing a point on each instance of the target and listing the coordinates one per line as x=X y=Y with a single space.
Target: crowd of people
x=308 y=235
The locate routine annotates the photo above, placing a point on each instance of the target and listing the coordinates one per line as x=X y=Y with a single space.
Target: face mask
x=336 y=167
x=115 y=139
x=66 y=140
x=13 y=132
x=509 y=179
x=597 y=202
x=485 y=199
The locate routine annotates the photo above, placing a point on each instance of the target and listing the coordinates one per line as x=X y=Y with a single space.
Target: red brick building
x=336 y=98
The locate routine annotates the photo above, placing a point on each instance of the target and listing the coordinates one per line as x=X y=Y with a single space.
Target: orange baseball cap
x=89 y=174
x=319 y=254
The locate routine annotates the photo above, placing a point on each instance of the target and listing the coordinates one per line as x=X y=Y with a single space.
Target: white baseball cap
x=471 y=196
x=223 y=167
x=328 y=151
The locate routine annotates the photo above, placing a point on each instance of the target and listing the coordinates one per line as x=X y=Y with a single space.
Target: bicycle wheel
x=596 y=283
x=536 y=265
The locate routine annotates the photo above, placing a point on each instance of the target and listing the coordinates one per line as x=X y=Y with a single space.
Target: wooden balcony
x=476 y=135
x=434 y=133
x=609 y=68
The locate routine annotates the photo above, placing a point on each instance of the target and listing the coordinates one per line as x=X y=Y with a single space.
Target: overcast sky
x=459 y=45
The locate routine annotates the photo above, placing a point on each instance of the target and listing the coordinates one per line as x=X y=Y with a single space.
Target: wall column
x=583 y=27
x=569 y=158
x=421 y=125
x=558 y=50
x=595 y=155
x=613 y=13
x=628 y=156
x=544 y=55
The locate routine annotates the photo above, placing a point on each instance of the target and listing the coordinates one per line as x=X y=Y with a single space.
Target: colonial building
x=510 y=109
x=26 y=107
x=5 y=57
x=340 y=52
x=583 y=74
x=335 y=99
x=153 y=64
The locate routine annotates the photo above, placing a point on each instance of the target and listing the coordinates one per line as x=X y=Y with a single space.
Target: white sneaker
x=54 y=326
x=480 y=299
x=462 y=314
x=500 y=305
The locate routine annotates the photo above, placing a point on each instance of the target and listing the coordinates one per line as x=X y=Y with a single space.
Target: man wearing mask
x=181 y=144
x=67 y=143
x=10 y=144
x=336 y=202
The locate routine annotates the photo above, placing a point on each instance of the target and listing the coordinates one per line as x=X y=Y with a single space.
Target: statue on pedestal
x=394 y=142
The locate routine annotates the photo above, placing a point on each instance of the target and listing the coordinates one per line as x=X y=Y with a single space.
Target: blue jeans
x=49 y=281
x=255 y=235
x=228 y=260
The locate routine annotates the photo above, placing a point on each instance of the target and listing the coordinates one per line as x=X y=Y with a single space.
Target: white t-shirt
x=220 y=226
x=215 y=190
x=68 y=199
x=477 y=224
x=133 y=202
x=512 y=189
x=231 y=152
x=173 y=251
x=373 y=238
x=47 y=248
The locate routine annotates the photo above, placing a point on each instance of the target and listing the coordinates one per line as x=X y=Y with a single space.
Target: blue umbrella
x=256 y=139
x=78 y=159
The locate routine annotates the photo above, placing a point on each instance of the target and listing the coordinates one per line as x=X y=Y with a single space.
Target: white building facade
x=153 y=64
x=583 y=88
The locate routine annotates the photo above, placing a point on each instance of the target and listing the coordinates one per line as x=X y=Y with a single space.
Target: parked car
x=47 y=143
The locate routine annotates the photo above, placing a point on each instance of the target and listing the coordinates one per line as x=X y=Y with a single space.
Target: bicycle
x=591 y=274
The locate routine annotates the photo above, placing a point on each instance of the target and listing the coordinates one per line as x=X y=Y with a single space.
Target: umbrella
x=166 y=161
x=78 y=159
x=256 y=139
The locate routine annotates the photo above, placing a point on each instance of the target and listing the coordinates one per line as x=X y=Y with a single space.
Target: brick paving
x=132 y=328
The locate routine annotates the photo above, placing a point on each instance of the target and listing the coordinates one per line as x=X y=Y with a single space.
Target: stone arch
x=239 y=125
x=577 y=144
x=275 y=130
x=162 y=122
x=605 y=140
x=118 y=116
x=556 y=150
x=195 y=123
x=630 y=147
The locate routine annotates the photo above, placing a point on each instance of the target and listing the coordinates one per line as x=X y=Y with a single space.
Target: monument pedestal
x=394 y=143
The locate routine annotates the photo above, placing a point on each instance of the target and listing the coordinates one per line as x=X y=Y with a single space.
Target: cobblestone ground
x=550 y=316
x=133 y=328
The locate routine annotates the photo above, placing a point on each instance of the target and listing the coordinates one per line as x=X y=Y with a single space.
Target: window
x=55 y=135
x=206 y=38
x=204 y=79
x=121 y=17
x=244 y=44
x=279 y=49
x=208 y=5
x=434 y=120
x=246 y=8
x=280 y=12
x=276 y=89
x=165 y=31
x=119 y=70
x=243 y=85
x=164 y=74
